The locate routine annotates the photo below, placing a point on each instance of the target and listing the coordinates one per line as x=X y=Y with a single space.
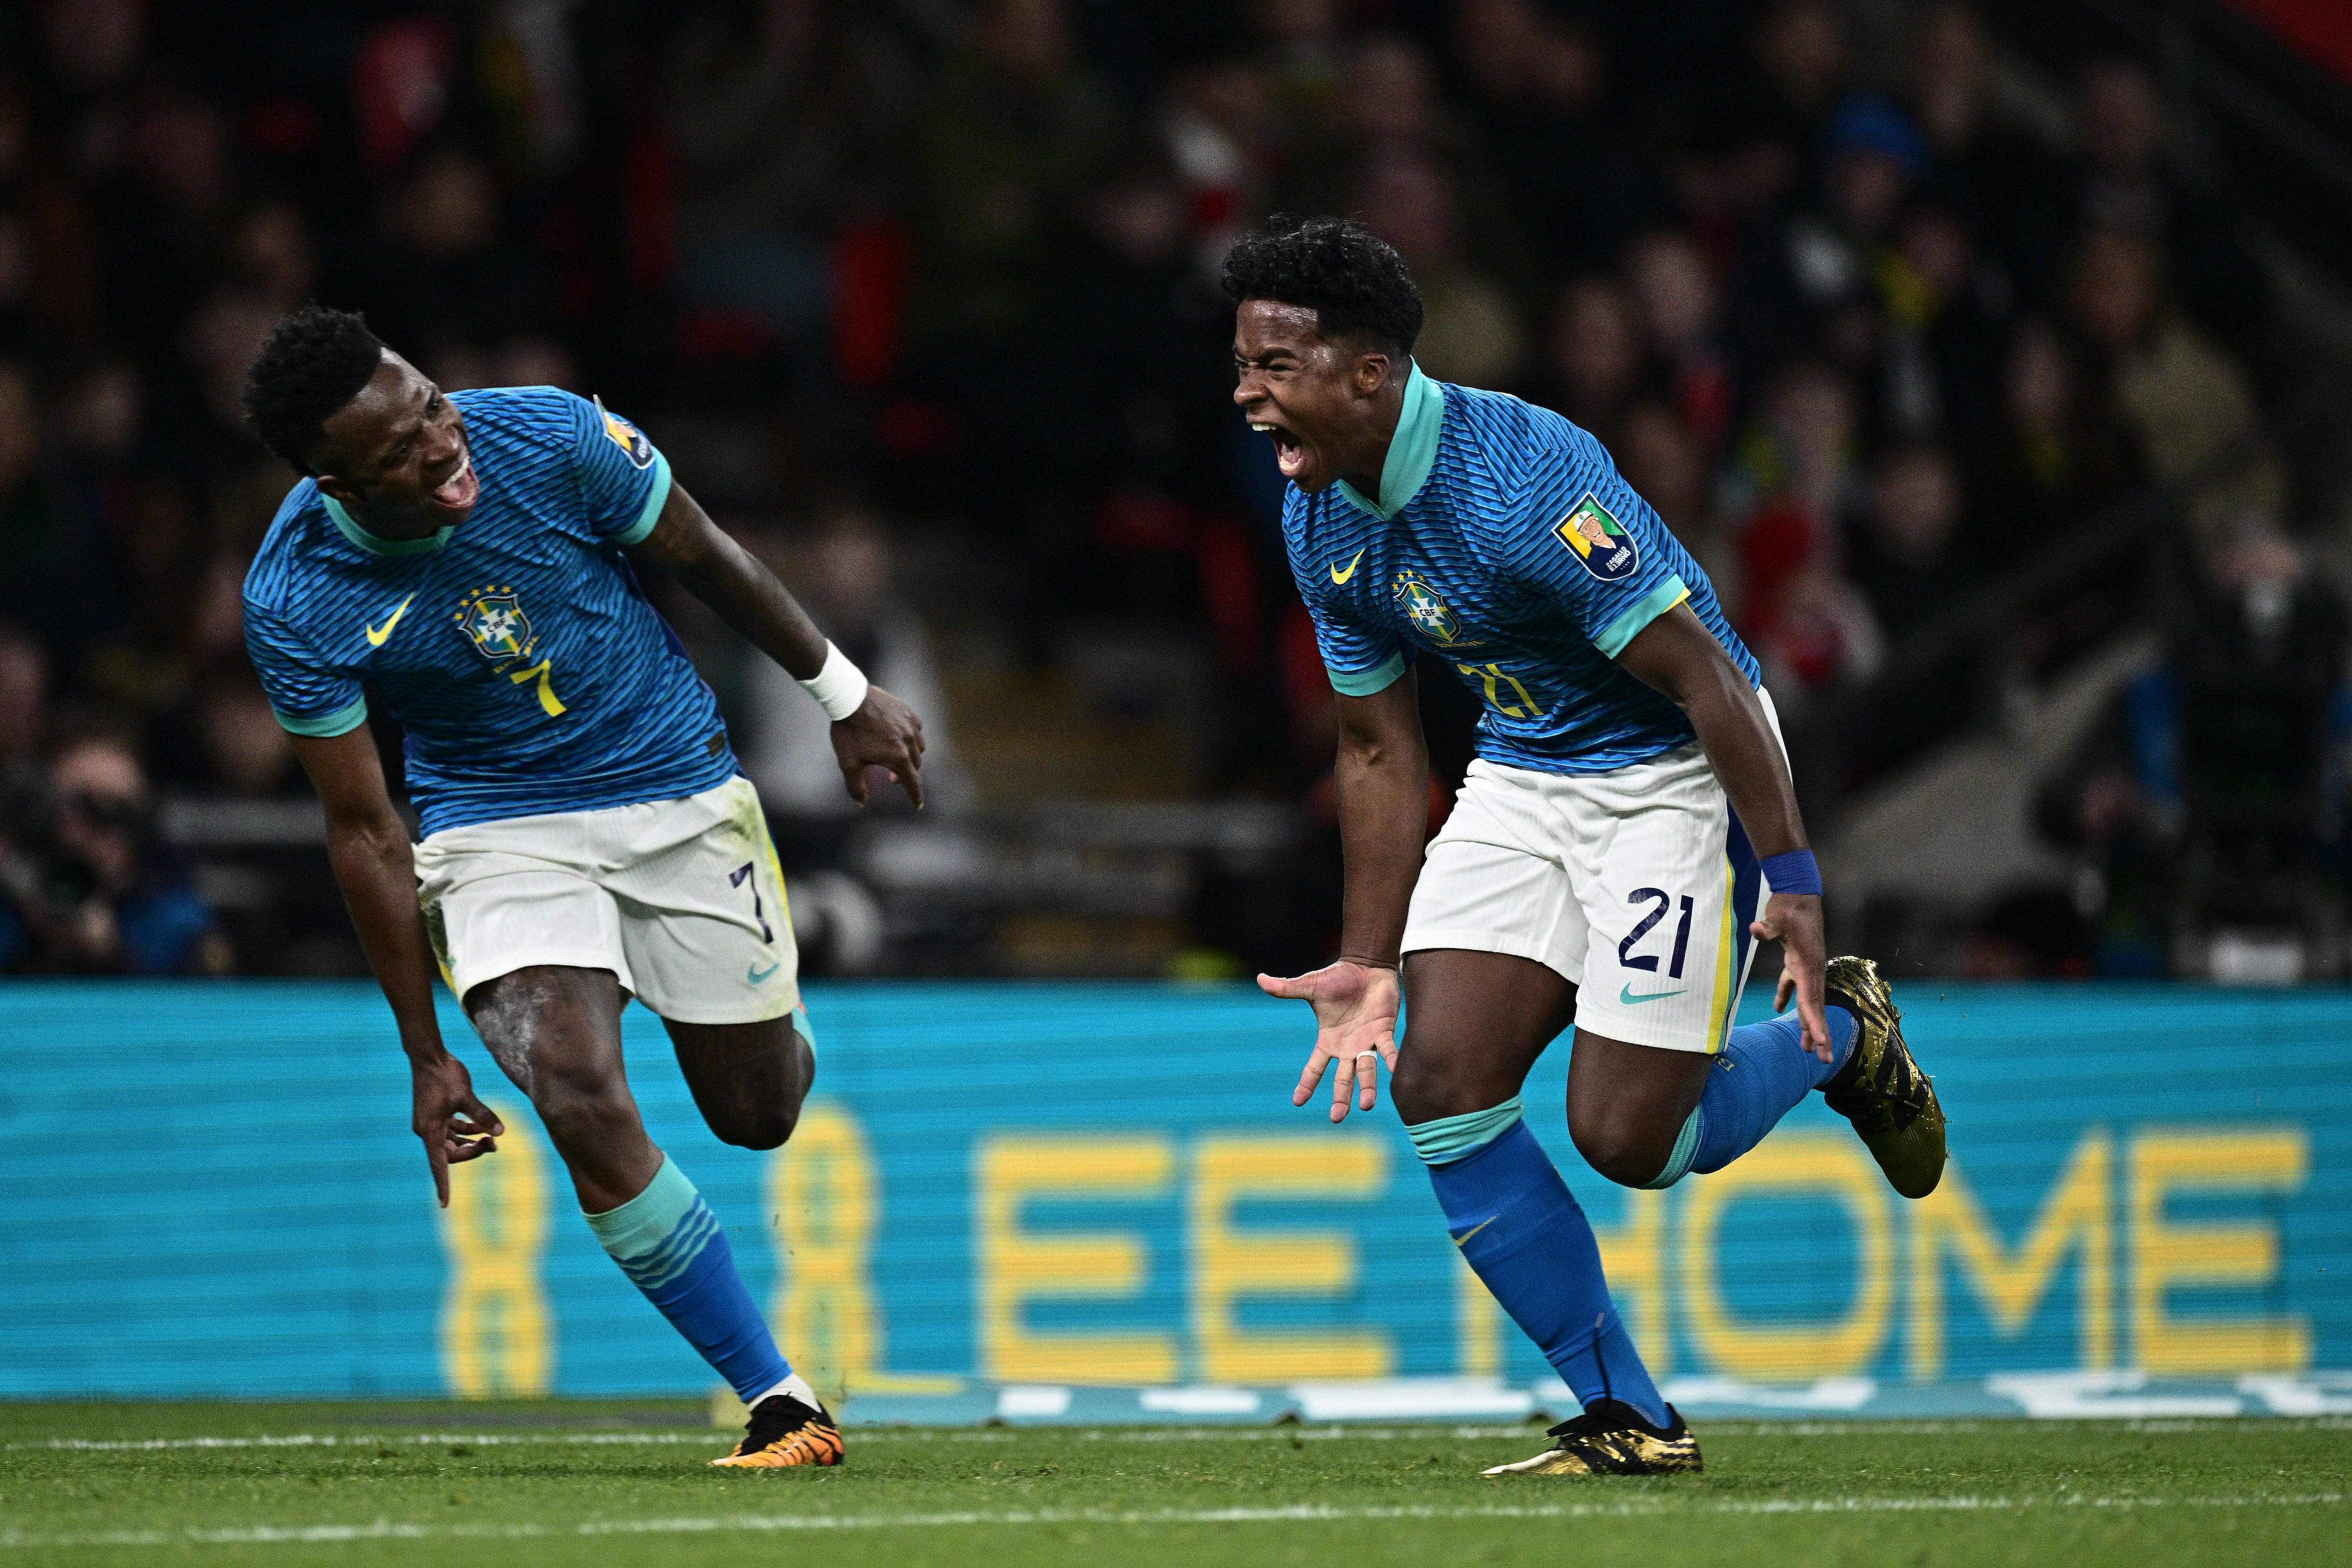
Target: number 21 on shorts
x=1649 y=961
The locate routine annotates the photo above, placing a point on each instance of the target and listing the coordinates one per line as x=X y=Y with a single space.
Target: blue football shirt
x=516 y=648
x=1505 y=542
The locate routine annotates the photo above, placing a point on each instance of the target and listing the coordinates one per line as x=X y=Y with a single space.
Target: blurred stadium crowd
x=1951 y=366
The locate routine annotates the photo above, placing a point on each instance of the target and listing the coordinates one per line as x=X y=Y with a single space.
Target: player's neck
x=1365 y=466
x=395 y=528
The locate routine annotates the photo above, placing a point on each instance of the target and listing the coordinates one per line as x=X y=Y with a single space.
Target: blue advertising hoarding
x=1010 y=1199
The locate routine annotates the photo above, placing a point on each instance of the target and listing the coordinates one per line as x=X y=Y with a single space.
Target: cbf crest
x=1423 y=606
x=1599 y=542
x=492 y=619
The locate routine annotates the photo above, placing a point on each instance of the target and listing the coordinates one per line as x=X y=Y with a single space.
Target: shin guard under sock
x=668 y=1241
x=1521 y=1231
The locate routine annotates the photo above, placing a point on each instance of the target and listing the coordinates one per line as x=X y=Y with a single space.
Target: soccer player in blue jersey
x=1608 y=859
x=585 y=834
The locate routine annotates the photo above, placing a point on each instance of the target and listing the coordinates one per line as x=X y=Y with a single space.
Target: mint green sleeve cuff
x=1366 y=682
x=655 y=500
x=1639 y=613
x=327 y=725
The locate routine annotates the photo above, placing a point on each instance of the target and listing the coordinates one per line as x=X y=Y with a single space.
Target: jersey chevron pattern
x=1504 y=542
x=516 y=648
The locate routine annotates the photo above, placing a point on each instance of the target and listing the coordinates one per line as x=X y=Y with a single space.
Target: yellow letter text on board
x=1787 y=1166
x=1018 y=1266
x=825 y=1194
x=1230 y=1263
x=2076 y=1216
x=495 y=1336
x=2241 y=1252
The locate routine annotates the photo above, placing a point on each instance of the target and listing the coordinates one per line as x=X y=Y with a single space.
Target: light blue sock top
x=1450 y=1138
x=641 y=1224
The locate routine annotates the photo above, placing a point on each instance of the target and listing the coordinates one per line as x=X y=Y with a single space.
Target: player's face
x=399 y=451
x=1311 y=397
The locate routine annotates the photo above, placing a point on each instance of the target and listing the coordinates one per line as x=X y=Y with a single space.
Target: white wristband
x=839 y=687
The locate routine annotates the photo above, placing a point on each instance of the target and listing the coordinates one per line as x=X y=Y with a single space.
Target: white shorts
x=1637 y=885
x=682 y=900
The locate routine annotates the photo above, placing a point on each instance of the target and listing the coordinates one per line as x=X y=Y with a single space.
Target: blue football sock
x=667 y=1240
x=1765 y=1072
x=1520 y=1230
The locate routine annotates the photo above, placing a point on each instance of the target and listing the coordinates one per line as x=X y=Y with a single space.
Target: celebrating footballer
x=1627 y=833
x=587 y=835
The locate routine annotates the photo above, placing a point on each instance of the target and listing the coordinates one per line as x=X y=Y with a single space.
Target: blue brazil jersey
x=1504 y=542
x=516 y=647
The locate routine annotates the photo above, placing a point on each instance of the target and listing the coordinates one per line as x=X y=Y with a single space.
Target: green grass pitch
x=520 y=1485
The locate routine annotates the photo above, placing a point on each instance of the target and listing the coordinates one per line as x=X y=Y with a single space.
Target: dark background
x=1990 y=361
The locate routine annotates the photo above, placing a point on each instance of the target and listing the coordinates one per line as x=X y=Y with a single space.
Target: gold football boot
x=1611 y=1440
x=1880 y=1089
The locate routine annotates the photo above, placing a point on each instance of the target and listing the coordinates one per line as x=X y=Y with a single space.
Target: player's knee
x=1424 y=1091
x=582 y=1111
x=761 y=1127
x=1620 y=1149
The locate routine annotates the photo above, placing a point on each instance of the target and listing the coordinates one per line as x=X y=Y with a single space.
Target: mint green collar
x=1412 y=450
x=368 y=541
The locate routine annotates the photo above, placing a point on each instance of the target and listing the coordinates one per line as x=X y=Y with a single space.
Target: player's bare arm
x=1382 y=777
x=882 y=733
x=367 y=843
x=1679 y=656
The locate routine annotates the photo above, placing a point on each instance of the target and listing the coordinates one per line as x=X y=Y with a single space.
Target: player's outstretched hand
x=455 y=1125
x=883 y=733
x=1355 y=1026
x=1795 y=918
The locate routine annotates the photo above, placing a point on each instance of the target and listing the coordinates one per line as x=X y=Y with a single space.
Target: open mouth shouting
x=457 y=492
x=1290 y=454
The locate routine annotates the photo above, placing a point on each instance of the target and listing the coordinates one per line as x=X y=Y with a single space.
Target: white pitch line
x=857 y=1436
x=1295 y=1513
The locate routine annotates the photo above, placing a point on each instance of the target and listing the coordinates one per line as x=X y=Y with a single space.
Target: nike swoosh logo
x=375 y=637
x=1341 y=577
x=1463 y=1240
x=756 y=976
x=1629 y=998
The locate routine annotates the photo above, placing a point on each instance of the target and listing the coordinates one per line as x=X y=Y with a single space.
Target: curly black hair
x=1351 y=278
x=316 y=361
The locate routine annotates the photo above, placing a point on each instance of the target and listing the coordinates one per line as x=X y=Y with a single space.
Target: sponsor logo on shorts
x=1627 y=996
x=1597 y=540
x=756 y=976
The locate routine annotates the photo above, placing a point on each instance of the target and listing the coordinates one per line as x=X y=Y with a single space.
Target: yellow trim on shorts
x=783 y=894
x=1719 y=1006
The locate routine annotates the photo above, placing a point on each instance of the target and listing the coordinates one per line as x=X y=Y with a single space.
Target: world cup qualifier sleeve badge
x=626 y=436
x=1601 y=544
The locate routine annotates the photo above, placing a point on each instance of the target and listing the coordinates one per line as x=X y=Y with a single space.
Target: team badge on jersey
x=1422 y=606
x=627 y=437
x=492 y=620
x=1600 y=542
